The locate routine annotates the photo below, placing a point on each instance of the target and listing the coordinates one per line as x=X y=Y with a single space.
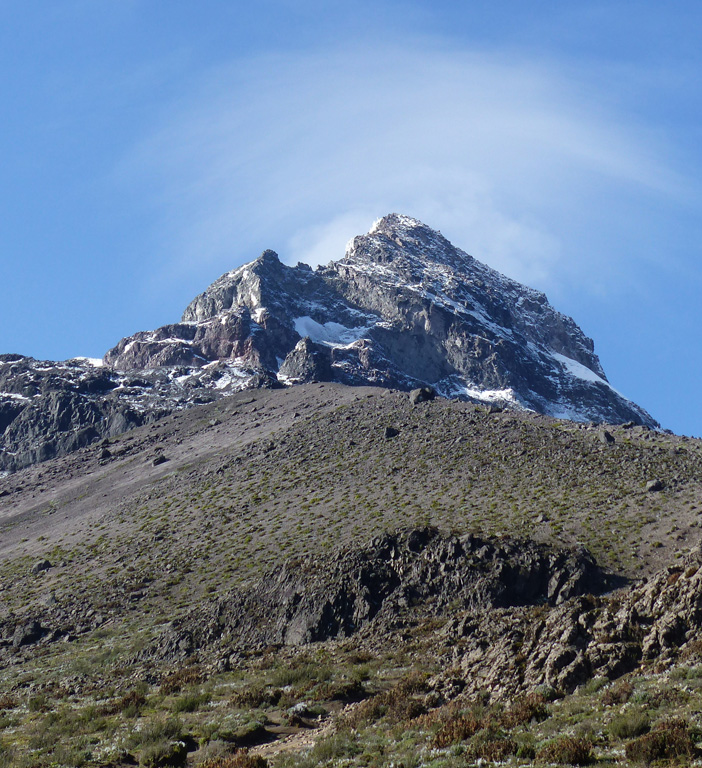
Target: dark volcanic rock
x=320 y=598
x=306 y=362
x=27 y=634
x=422 y=395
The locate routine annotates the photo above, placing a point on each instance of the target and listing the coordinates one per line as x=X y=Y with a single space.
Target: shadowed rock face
x=403 y=308
x=50 y=409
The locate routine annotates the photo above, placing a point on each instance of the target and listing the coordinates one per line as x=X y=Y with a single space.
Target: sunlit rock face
x=402 y=308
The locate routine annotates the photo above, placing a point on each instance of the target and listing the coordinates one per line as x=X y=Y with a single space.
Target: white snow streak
x=330 y=334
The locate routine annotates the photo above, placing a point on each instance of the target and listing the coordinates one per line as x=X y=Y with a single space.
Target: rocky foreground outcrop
x=518 y=615
x=650 y=622
x=320 y=598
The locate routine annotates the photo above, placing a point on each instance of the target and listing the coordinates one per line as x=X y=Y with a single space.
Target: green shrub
x=305 y=673
x=629 y=724
x=567 y=749
x=190 y=702
x=38 y=703
x=164 y=754
x=157 y=731
x=335 y=747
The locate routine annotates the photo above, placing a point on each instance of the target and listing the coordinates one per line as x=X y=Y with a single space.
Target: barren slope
x=252 y=482
x=271 y=474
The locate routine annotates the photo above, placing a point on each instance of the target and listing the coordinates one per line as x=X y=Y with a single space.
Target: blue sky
x=148 y=146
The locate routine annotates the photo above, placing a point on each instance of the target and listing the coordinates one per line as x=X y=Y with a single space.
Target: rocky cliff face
x=403 y=308
x=421 y=570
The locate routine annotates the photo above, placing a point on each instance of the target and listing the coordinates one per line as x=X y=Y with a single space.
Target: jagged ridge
x=403 y=308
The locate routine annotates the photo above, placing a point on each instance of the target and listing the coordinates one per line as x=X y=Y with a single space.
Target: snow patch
x=457 y=387
x=14 y=396
x=330 y=334
x=580 y=371
x=96 y=362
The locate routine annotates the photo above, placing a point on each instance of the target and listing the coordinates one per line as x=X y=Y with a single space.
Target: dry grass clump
x=569 y=750
x=667 y=741
x=491 y=744
x=691 y=650
x=524 y=710
x=346 y=691
x=241 y=759
x=179 y=679
x=130 y=705
x=7 y=702
x=458 y=728
x=256 y=697
x=397 y=705
x=618 y=694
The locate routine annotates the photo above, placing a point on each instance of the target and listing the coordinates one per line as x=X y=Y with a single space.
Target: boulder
x=422 y=395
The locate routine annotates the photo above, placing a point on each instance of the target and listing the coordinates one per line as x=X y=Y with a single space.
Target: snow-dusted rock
x=403 y=308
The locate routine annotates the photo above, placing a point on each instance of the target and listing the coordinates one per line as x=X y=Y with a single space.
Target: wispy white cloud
x=516 y=162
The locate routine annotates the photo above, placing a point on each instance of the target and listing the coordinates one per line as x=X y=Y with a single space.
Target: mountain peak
x=403 y=240
x=395 y=222
x=404 y=308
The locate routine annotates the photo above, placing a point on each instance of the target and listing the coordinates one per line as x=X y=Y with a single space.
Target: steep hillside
x=230 y=562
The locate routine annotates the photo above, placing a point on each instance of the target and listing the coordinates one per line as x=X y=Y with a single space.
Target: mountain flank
x=342 y=561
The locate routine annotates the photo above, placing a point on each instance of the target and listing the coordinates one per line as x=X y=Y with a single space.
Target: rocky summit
x=403 y=309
